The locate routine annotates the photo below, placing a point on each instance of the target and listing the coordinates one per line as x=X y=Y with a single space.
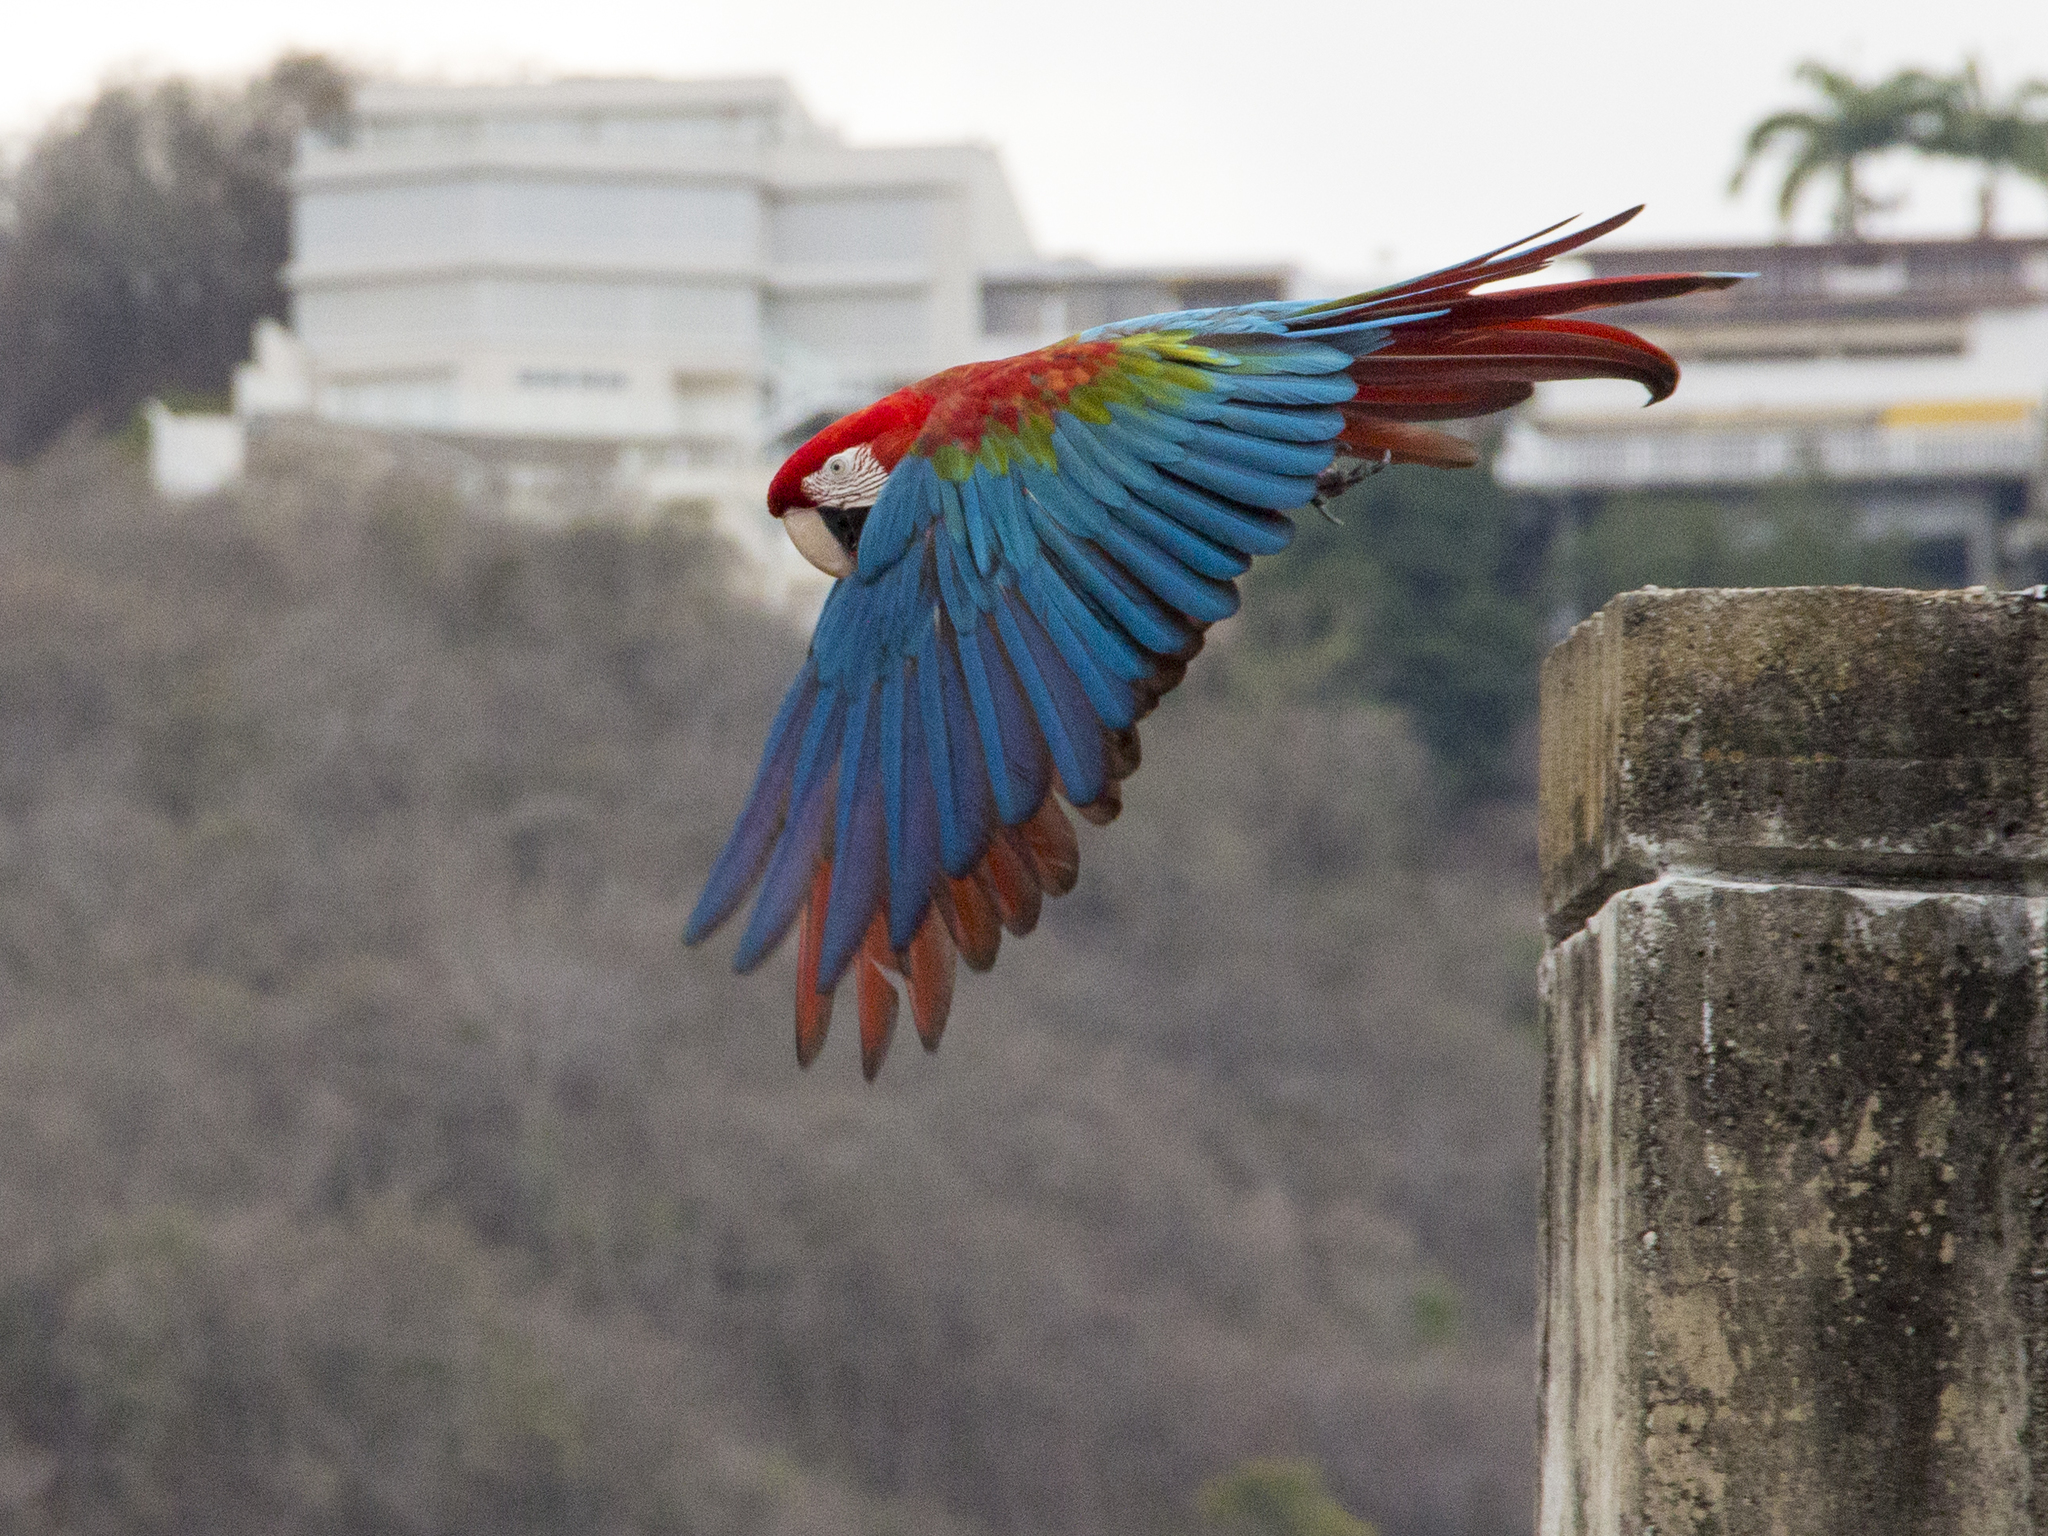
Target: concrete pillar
x=1795 y=1255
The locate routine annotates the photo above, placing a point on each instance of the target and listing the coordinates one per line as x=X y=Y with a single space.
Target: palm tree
x=1998 y=136
x=1853 y=122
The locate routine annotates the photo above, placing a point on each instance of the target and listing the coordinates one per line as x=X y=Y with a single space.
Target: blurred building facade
x=1910 y=376
x=662 y=282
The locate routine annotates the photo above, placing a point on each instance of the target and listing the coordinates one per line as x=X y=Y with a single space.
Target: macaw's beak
x=814 y=540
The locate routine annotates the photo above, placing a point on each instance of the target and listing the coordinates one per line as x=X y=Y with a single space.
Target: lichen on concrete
x=1854 y=730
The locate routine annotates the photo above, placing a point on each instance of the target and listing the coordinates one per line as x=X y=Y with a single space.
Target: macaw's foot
x=1341 y=476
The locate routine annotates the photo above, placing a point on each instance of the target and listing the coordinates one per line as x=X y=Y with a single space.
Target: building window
x=391 y=400
x=571 y=378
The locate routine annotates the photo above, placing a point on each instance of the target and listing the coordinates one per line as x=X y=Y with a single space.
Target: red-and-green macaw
x=1027 y=553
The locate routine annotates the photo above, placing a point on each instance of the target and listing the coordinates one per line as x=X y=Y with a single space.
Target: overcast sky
x=1349 y=138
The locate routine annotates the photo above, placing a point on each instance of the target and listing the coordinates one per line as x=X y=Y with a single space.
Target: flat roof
x=1838 y=279
x=635 y=95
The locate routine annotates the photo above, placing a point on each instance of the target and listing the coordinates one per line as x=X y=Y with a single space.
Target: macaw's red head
x=824 y=490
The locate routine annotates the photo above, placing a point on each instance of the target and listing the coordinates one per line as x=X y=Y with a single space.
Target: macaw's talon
x=1341 y=477
x=1027 y=552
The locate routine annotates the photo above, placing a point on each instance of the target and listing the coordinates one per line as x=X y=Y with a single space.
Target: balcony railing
x=1535 y=460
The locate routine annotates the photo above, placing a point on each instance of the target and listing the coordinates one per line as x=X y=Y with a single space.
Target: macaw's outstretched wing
x=1034 y=575
x=1039 y=568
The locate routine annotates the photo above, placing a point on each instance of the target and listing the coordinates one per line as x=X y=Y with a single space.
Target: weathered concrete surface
x=1796 y=1211
x=1842 y=729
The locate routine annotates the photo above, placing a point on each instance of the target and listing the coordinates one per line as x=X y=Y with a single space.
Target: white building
x=1911 y=374
x=689 y=268
x=657 y=283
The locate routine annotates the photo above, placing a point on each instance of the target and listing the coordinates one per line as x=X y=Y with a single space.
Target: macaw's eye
x=839 y=463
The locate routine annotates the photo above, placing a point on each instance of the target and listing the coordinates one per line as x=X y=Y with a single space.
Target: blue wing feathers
x=1003 y=497
x=931 y=703
x=1162 y=575
x=1231 y=525
x=1269 y=316
x=1285 y=354
x=961 y=589
x=909 y=501
x=953 y=508
x=1295 y=424
x=1100 y=640
x=1265 y=454
x=1021 y=743
x=973 y=809
x=1003 y=626
x=1150 y=439
x=1072 y=732
x=1069 y=751
x=905 y=609
x=788 y=880
x=1119 y=598
x=1180 y=543
x=1082 y=459
x=981 y=694
x=1120 y=456
x=1011 y=746
x=752 y=841
x=856 y=759
x=911 y=809
x=926 y=862
x=978 y=520
x=1254 y=488
x=1030 y=763
x=897 y=770
x=859 y=842
x=1109 y=695
x=1289 y=389
x=1185 y=591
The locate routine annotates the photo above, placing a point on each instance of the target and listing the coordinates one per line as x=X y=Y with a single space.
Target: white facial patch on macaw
x=840 y=491
x=852 y=477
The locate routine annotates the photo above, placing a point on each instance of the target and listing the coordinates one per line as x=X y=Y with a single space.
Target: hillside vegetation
x=373 y=1160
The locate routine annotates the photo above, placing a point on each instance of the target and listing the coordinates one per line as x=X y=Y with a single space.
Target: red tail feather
x=1374 y=437
x=1011 y=882
x=1569 y=298
x=928 y=966
x=969 y=908
x=1047 y=843
x=1441 y=399
x=878 y=1001
x=1471 y=354
x=813 y=1008
x=1519 y=353
x=1492 y=266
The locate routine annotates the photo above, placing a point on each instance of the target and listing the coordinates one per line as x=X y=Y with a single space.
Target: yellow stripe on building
x=1957 y=413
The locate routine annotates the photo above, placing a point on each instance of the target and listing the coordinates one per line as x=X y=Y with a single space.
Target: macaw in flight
x=1027 y=553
